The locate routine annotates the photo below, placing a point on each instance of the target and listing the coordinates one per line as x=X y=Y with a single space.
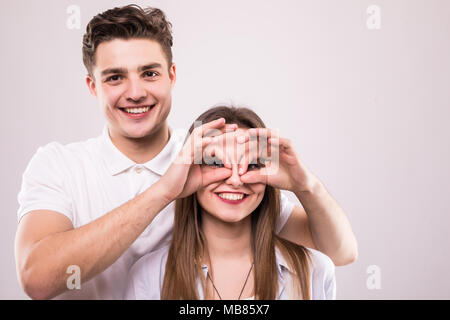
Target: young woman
x=224 y=243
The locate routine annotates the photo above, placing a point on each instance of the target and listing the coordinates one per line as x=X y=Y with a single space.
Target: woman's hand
x=184 y=176
x=284 y=170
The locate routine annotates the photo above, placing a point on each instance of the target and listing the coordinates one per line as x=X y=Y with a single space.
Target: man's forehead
x=128 y=54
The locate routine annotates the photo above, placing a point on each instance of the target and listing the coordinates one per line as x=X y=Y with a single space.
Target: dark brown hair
x=188 y=246
x=127 y=22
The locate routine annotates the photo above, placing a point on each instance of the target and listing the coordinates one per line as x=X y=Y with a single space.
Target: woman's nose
x=235 y=178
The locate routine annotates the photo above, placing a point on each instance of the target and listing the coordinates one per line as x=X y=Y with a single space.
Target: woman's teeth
x=136 y=110
x=231 y=196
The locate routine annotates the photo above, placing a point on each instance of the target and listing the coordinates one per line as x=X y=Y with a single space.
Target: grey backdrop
x=367 y=110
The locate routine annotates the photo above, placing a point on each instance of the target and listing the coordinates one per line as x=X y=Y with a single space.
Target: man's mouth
x=137 y=110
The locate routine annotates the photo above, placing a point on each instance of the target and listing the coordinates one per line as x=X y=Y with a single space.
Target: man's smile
x=137 y=112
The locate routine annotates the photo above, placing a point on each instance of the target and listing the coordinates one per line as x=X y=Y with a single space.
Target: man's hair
x=128 y=22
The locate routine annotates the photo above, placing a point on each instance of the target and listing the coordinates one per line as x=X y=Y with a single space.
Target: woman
x=224 y=243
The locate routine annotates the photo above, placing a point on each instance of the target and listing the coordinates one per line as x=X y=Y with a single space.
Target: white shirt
x=85 y=180
x=147 y=275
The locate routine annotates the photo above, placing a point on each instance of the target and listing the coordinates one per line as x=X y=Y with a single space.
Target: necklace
x=242 y=290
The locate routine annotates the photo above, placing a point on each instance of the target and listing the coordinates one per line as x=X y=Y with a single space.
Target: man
x=99 y=205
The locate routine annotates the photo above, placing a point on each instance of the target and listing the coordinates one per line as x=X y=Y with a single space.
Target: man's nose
x=136 y=90
x=235 y=179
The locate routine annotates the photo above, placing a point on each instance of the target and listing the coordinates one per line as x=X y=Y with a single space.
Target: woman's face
x=230 y=200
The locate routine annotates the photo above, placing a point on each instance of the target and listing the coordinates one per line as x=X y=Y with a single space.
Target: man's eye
x=150 y=74
x=113 y=78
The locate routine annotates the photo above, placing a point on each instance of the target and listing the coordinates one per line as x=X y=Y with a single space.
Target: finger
x=212 y=125
x=282 y=145
x=250 y=156
x=282 y=142
x=219 y=131
x=263 y=132
x=243 y=138
x=243 y=165
x=256 y=176
x=244 y=158
x=230 y=127
x=197 y=142
x=215 y=175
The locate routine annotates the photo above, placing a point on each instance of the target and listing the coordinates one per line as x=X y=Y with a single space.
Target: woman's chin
x=232 y=217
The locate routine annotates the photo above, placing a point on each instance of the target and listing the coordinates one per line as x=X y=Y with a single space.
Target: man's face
x=133 y=84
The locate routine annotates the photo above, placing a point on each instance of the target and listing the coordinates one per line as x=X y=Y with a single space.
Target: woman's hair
x=184 y=261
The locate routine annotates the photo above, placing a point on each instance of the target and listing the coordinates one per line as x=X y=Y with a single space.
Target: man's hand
x=283 y=170
x=184 y=176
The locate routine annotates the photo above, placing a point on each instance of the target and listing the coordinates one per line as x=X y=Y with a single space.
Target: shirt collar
x=164 y=159
x=117 y=162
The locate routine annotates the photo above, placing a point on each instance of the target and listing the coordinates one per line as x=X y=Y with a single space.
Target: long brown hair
x=183 y=268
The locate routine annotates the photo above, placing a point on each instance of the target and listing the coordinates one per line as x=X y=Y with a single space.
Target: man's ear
x=91 y=85
x=172 y=75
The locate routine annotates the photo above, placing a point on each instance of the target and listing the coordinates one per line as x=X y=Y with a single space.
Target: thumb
x=216 y=175
x=254 y=177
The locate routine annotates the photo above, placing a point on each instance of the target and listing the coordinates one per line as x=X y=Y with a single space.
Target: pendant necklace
x=242 y=290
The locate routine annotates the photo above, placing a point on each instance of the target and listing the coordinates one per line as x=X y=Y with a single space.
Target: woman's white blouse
x=147 y=274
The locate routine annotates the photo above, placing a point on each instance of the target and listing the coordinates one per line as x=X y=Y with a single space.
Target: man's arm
x=321 y=225
x=324 y=223
x=46 y=243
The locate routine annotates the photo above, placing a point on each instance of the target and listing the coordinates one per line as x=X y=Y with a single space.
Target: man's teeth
x=231 y=196
x=137 y=110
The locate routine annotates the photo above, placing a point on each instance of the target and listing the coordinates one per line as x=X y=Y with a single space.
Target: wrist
x=161 y=191
x=311 y=187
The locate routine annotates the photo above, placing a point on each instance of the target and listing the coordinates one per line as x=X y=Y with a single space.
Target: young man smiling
x=103 y=203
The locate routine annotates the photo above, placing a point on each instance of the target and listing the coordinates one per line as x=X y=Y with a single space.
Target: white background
x=367 y=110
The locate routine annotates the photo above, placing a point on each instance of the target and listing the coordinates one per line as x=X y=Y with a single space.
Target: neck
x=227 y=241
x=144 y=149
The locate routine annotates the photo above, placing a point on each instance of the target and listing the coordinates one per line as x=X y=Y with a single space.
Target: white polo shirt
x=85 y=180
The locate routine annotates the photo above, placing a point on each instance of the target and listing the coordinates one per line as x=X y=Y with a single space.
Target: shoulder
x=48 y=152
x=323 y=280
x=146 y=275
x=55 y=152
x=178 y=136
